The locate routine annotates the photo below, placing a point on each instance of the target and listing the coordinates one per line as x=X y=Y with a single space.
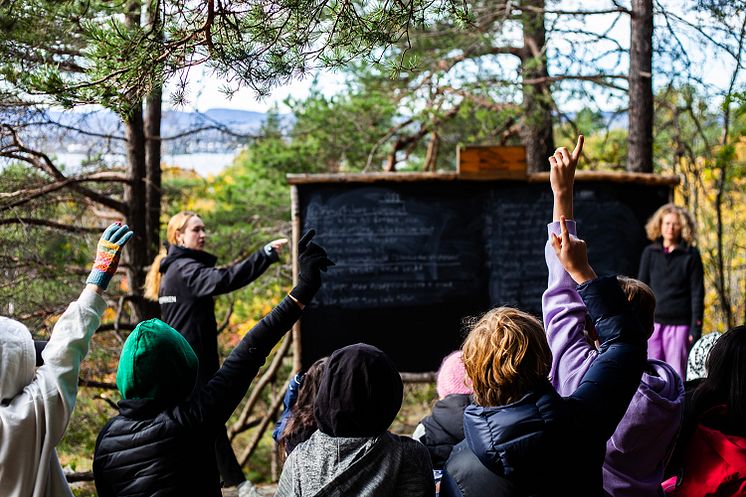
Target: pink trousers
x=670 y=343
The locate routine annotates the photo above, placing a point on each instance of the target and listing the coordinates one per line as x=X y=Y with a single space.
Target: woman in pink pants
x=672 y=267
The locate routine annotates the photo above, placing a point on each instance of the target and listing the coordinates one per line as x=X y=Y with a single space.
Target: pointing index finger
x=565 y=234
x=578 y=148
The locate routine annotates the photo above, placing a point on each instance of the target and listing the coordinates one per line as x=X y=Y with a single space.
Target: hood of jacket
x=514 y=436
x=360 y=393
x=17 y=358
x=643 y=441
x=326 y=466
x=175 y=253
x=156 y=363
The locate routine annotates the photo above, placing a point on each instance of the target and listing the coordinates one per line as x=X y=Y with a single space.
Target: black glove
x=312 y=260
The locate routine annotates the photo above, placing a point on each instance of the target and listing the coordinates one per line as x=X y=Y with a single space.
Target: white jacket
x=35 y=407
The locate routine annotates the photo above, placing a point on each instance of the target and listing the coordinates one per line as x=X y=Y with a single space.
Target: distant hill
x=221 y=130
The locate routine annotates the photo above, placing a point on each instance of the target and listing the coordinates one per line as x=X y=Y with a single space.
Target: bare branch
x=49 y=224
x=17 y=150
x=96 y=384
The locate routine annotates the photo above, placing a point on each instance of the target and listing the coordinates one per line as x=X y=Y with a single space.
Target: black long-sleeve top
x=677 y=279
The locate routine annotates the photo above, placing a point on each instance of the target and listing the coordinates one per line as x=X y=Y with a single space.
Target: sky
x=204 y=93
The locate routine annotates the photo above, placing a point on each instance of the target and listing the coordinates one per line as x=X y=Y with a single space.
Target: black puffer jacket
x=444 y=428
x=545 y=444
x=190 y=281
x=152 y=450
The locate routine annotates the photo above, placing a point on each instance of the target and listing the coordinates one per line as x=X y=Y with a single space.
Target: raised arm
x=57 y=378
x=563 y=309
x=205 y=281
x=217 y=400
x=604 y=393
x=607 y=388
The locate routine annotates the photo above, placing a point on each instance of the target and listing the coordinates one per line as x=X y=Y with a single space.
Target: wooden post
x=295 y=219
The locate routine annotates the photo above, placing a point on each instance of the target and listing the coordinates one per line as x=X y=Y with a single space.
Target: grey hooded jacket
x=387 y=465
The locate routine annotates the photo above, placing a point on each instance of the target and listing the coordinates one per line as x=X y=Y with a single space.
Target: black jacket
x=545 y=444
x=155 y=450
x=444 y=428
x=677 y=279
x=189 y=282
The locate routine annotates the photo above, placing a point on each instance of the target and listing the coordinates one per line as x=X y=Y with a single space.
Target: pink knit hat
x=452 y=376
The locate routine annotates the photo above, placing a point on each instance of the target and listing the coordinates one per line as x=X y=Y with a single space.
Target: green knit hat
x=156 y=363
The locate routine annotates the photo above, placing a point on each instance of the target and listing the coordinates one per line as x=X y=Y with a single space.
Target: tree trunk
x=135 y=197
x=153 y=171
x=537 y=100
x=640 y=154
x=153 y=105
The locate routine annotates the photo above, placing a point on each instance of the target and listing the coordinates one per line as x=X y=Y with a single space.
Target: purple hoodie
x=638 y=451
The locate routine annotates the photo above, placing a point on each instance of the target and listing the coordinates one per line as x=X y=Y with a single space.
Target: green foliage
x=101 y=52
x=338 y=133
x=42 y=268
x=690 y=141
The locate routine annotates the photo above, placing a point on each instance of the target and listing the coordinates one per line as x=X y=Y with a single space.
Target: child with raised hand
x=521 y=436
x=35 y=405
x=638 y=450
x=162 y=441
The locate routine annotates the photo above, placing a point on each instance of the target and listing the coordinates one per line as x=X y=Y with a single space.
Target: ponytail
x=175 y=226
x=153 y=278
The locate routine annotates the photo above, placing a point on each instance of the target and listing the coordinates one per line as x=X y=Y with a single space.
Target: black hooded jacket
x=189 y=282
x=151 y=449
x=444 y=428
x=544 y=444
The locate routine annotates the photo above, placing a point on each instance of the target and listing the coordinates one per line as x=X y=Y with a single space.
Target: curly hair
x=506 y=355
x=688 y=229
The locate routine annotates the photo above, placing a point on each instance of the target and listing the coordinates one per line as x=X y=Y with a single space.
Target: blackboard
x=414 y=259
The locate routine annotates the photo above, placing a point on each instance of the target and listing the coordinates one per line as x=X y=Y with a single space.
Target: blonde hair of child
x=506 y=355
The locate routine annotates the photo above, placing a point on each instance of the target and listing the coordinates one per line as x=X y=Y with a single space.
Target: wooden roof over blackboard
x=582 y=176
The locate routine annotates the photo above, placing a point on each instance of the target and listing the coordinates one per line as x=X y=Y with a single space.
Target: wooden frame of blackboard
x=301 y=180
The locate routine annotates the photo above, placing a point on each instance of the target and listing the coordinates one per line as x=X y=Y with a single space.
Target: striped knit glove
x=107 y=254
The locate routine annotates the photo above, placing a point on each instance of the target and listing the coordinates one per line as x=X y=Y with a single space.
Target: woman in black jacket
x=672 y=267
x=184 y=281
x=161 y=443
